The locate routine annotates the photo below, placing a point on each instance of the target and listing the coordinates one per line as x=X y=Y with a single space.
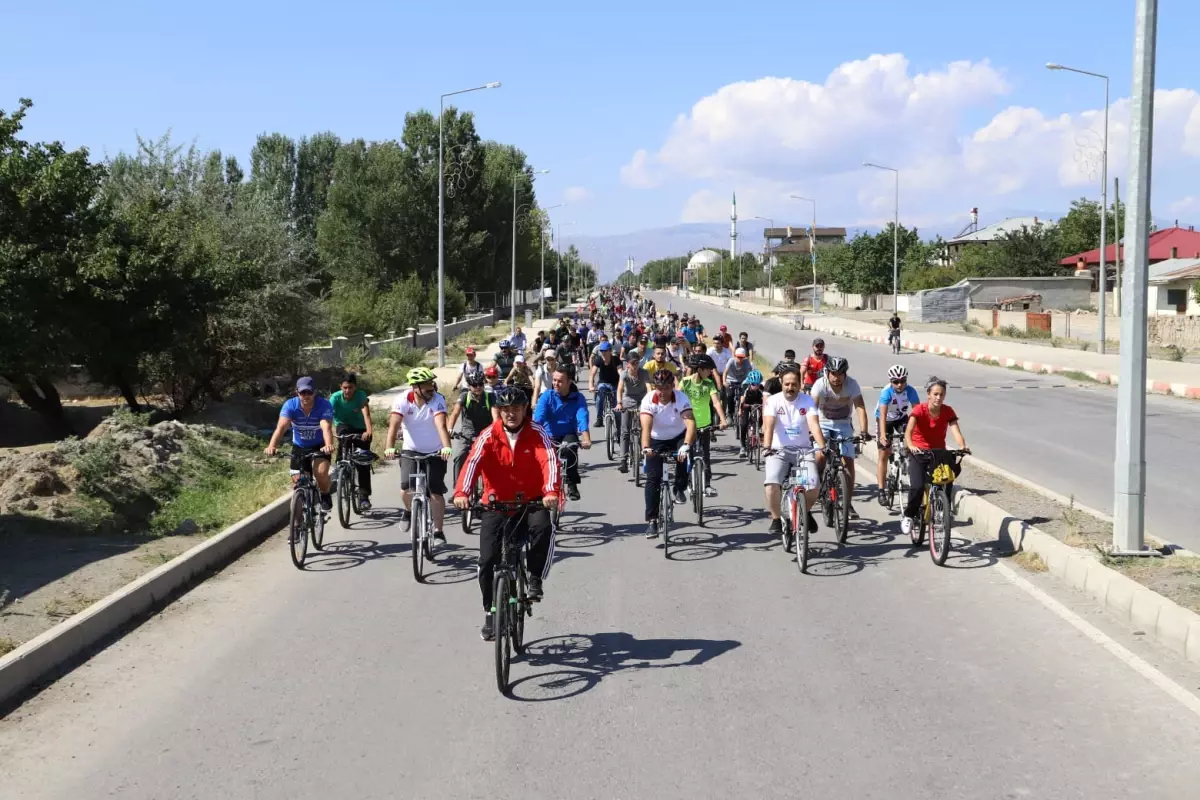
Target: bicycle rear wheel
x=345 y=496
x=800 y=529
x=298 y=529
x=610 y=442
x=501 y=619
x=939 y=525
x=416 y=536
x=843 y=506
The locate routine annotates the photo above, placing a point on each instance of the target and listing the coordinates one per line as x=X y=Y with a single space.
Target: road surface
x=719 y=673
x=1049 y=430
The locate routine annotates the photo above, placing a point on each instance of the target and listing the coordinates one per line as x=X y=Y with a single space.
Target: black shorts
x=890 y=427
x=298 y=454
x=435 y=468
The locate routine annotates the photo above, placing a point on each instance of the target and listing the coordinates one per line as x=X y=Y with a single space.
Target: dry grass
x=7 y=645
x=67 y=606
x=1030 y=561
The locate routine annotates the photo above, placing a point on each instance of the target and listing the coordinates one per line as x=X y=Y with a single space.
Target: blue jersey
x=306 y=428
x=898 y=403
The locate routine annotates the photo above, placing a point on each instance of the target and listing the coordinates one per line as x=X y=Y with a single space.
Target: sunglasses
x=306 y=393
x=899 y=381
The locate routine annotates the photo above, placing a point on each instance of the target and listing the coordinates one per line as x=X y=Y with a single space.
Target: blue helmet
x=754 y=377
x=505 y=344
x=604 y=347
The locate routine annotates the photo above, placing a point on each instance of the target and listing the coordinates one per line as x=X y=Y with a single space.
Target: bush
x=1034 y=333
x=1012 y=331
x=402 y=354
x=1174 y=352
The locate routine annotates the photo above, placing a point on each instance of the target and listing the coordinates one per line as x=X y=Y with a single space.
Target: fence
x=1178 y=331
x=423 y=338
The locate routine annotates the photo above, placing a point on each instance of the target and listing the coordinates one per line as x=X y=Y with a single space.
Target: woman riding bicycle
x=667 y=425
x=925 y=438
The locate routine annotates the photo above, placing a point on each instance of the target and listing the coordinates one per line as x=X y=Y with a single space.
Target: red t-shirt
x=813 y=367
x=929 y=433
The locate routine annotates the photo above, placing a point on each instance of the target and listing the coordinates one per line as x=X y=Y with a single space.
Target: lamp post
x=1103 y=198
x=441 y=326
x=542 y=236
x=812 y=246
x=512 y=292
x=895 y=235
x=558 y=267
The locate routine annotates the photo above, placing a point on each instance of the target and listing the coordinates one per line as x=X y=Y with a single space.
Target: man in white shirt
x=722 y=355
x=790 y=421
x=667 y=426
x=518 y=340
x=421 y=413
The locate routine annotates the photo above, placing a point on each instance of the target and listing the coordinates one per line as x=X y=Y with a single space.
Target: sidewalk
x=1162 y=377
x=382 y=401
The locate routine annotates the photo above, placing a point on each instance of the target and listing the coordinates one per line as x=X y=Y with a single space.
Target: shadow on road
x=578 y=662
x=350 y=553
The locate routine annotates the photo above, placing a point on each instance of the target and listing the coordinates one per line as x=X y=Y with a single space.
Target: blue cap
x=604 y=347
x=305 y=384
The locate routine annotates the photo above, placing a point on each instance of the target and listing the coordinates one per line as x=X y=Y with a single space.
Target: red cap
x=492 y=372
x=470 y=351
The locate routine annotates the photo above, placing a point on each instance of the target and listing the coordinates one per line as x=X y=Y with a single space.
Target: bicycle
x=666 y=502
x=733 y=405
x=836 y=489
x=306 y=517
x=753 y=442
x=559 y=449
x=937 y=514
x=345 y=476
x=801 y=478
x=631 y=432
x=699 y=479
x=894 y=340
x=510 y=604
x=894 y=488
x=420 y=523
x=470 y=514
x=606 y=398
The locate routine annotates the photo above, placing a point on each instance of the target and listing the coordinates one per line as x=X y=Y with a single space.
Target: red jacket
x=532 y=470
x=812 y=368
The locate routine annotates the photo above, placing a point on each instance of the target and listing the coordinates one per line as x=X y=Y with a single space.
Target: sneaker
x=326 y=502
x=439 y=537
x=741 y=452
x=535 y=588
x=364 y=506
x=488 y=631
x=404 y=517
x=651 y=529
x=623 y=468
x=811 y=522
x=906 y=526
x=600 y=423
x=710 y=491
x=776 y=527
x=680 y=497
x=573 y=492
x=852 y=514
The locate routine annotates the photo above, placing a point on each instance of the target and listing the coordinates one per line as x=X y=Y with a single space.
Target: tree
x=50 y=222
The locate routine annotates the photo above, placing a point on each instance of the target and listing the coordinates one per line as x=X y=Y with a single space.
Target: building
x=700 y=260
x=794 y=239
x=974 y=236
x=1169 y=243
x=1170 y=291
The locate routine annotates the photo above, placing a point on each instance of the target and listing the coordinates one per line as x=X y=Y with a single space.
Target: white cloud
x=773 y=137
x=574 y=195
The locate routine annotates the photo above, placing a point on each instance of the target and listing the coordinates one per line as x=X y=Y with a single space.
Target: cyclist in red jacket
x=815 y=364
x=514 y=456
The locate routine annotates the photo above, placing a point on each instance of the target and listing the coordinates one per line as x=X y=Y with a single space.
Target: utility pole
x=1129 y=471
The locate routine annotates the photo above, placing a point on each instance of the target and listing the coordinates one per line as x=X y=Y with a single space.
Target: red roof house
x=1167 y=243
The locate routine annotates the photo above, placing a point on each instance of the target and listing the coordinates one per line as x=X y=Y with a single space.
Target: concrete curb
x=1153 y=387
x=1171 y=625
x=60 y=646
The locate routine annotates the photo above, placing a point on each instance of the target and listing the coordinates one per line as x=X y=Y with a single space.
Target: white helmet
x=897 y=372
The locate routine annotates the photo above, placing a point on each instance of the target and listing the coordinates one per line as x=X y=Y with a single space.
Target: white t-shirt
x=791 y=419
x=420 y=432
x=722 y=357
x=668 y=418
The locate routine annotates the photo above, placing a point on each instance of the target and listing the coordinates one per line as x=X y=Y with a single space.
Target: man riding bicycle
x=421 y=414
x=789 y=421
x=631 y=390
x=815 y=364
x=835 y=396
x=352 y=417
x=602 y=381
x=891 y=417
x=563 y=412
x=667 y=425
x=516 y=461
x=893 y=327
x=701 y=391
x=311 y=419
x=475 y=408
x=733 y=377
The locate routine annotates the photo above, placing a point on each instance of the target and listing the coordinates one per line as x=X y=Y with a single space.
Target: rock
x=186 y=528
x=29 y=505
x=30 y=481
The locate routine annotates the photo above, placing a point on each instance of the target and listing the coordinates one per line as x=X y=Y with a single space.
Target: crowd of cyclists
x=513 y=431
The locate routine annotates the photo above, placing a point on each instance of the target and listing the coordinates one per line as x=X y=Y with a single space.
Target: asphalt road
x=721 y=672
x=1052 y=431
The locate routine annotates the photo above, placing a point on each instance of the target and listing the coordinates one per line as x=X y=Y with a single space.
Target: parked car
x=723 y=293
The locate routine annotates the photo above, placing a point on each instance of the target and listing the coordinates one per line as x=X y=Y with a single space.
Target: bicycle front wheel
x=298 y=529
x=318 y=522
x=800 y=529
x=638 y=460
x=939 y=525
x=416 y=526
x=698 y=490
x=345 y=497
x=843 y=506
x=610 y=441
x=519 y=610
x=501 y=617
x=666 y=513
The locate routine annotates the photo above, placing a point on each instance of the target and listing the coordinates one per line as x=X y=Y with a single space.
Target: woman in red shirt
x=925 y=437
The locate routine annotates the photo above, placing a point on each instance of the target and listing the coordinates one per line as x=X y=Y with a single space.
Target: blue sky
x=585 y=90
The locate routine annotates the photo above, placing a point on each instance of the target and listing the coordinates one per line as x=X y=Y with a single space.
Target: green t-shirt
x=349 y=412
x=699 y=392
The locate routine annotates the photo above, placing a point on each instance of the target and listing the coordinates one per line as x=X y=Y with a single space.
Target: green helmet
x=420 y=375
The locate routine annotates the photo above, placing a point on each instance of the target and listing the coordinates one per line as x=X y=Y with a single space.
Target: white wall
x=1156 y=300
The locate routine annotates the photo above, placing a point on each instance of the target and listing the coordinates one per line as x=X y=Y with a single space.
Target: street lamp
x=895 y=235
x=441 y=326
x=558 y=267
x=1103 y=203
x=542 y=235
x=812 y=246
x=512 y=292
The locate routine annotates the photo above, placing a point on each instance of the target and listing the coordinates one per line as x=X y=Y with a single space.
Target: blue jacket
x=562 y=416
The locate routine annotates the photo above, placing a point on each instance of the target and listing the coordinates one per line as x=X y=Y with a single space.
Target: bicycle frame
x=421 y=522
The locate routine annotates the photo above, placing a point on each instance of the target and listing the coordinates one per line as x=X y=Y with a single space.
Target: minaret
x=733 y=231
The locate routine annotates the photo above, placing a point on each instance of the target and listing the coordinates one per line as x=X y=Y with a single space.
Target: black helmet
x=837 y=364
x=664 y=377
x=509 y=396
x=784 y=367
x=475 y=378
x=702 y=361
